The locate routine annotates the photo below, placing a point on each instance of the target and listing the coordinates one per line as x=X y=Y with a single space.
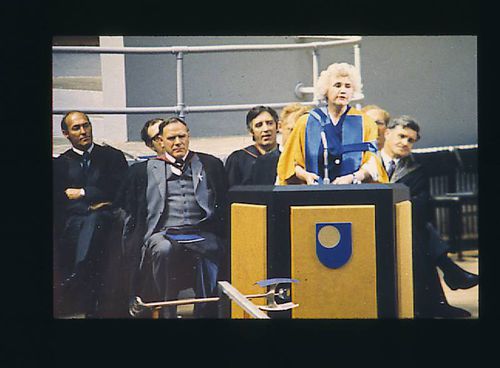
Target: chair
x=182 y=277
x=453 y=194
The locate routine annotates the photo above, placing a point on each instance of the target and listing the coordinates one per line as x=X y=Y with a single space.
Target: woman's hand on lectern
x=308 y=177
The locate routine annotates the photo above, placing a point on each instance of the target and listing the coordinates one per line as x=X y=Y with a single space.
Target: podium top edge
x=318 y=188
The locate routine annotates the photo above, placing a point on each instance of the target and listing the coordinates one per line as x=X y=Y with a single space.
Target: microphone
x=326 y=179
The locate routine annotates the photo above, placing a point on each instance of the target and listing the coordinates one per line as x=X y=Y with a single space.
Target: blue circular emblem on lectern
x=333 y=243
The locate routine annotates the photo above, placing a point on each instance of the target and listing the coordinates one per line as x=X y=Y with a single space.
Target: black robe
x=84 y=239
x=107 y=171
x=247 y=166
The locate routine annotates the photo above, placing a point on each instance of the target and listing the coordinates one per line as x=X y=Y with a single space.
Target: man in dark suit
x=174 y=225
x=262 y=124
x=429 y=250
x=150 y=134
x=85 y=180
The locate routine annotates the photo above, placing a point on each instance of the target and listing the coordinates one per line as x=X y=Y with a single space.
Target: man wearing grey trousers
x=174 y=222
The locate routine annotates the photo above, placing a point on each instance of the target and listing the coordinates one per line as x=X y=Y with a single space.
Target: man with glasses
x=381 y=118
x=150 y=134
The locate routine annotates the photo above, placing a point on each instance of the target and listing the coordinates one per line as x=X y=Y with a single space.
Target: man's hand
x=73 y=193
x=98 y=205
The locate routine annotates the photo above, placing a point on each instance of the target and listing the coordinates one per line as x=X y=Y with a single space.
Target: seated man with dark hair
x=150 y=134
x=429 y=251
x=174 y=222
x=262 y=124
x=85 y=180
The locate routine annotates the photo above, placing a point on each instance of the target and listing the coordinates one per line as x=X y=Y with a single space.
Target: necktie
x=390 y=169
x=85 y=160
x=179 y=163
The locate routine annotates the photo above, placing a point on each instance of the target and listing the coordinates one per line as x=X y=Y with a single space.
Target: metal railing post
x=357 y=57
x=180 y=84
x=315 y=71
x=357 y=65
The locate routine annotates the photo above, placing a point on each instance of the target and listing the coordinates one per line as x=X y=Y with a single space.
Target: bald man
x=86 y=178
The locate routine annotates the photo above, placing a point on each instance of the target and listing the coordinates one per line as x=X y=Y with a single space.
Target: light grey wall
x=69 y=65
x=432 y=78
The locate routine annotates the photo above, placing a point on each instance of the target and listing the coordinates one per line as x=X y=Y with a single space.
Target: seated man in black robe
x=429 y=251
x=262 y=124
x=85 y=180
x=264 y=168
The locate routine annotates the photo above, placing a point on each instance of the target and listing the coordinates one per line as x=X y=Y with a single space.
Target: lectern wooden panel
x=319 y=283
x=404 y=259
x=249 y=245
x=348 y=245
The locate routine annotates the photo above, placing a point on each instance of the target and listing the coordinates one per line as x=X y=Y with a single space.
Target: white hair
x=334 y=71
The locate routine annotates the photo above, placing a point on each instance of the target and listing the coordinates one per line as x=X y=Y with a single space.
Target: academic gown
x=240 y=164
x=81 y=235
x=351 y=144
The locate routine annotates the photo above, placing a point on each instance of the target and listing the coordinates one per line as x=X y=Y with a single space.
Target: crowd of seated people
x=173 y=206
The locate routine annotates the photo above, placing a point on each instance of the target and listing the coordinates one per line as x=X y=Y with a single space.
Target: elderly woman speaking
x=334 y=143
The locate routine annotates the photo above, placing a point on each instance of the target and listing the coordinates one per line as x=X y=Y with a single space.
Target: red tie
x=179 y=163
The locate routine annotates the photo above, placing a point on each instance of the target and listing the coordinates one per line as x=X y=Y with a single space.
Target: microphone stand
x=326 y=178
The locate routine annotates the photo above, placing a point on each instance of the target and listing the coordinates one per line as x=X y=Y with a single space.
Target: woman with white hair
x=350 y=136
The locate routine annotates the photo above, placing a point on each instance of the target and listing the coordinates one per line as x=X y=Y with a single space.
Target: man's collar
x=80 y=152
x=265 y=152
x=172 y=159
x=386 y=158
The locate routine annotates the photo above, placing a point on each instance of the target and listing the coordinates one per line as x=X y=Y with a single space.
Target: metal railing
x=181 y=108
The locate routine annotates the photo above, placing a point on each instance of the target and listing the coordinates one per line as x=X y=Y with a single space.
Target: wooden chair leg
x=155 y=314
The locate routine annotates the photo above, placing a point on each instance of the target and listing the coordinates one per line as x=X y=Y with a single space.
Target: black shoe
x=458 y=278
x=444 y=310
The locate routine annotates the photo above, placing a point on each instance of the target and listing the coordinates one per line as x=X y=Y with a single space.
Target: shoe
x=458 y=278
x=444 y=310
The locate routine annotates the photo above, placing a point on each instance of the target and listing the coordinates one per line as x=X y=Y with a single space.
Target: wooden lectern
x=349 y=246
